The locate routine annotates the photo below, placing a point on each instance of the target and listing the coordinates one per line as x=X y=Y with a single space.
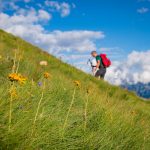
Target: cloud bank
x=29 y=23
x=135 y=69
x=28 y=27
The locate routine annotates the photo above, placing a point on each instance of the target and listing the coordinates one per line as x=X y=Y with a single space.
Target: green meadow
x=58 y=107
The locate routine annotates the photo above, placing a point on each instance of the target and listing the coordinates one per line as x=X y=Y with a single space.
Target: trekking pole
x=89 y=61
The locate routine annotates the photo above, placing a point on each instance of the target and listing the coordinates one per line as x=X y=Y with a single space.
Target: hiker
x=102 y=63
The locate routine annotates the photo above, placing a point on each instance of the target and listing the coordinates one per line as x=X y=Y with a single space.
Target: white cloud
x=135 y=69
x=5 y=5
x=63 y=8
x=44 y=15
x=23 y=17
x=27 y=26
x=143 y=10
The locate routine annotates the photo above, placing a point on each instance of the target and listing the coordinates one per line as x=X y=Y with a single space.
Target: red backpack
x=106 y=62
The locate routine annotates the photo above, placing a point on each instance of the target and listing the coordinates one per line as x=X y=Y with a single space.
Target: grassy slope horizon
x=68 y=117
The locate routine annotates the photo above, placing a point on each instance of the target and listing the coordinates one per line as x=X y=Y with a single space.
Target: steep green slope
x=56 y=113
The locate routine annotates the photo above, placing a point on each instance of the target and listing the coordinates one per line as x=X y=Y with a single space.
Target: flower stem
x=37 y=111
x=10 y=108
x=72 y=101
x=14 y=62
x=12 y=88
x=85 y=113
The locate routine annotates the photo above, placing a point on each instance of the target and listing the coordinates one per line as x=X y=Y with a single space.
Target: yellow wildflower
x=46 y=75
x=17 y=77
x=13 y=77
x=77 y=83
x=22 y=80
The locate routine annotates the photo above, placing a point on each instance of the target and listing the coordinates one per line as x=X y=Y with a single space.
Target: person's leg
x=94 y=71
x=102 y=73
x=102 y=77
x=97 y=74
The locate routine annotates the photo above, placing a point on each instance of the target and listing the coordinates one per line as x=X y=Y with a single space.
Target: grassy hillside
x=61 y=108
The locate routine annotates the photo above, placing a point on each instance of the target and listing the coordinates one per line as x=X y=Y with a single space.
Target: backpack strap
x=101 y=65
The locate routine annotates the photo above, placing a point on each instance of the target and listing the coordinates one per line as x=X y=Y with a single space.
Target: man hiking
x=100 y=69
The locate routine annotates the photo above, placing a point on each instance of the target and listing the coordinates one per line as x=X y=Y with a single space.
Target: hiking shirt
x=99 y=58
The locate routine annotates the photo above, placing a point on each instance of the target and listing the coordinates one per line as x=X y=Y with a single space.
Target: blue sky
x=72 y=28
x=118 y=19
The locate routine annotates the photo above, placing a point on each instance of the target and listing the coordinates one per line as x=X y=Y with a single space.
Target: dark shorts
x=101 y=73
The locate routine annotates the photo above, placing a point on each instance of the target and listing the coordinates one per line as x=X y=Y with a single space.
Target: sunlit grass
x=58 y=101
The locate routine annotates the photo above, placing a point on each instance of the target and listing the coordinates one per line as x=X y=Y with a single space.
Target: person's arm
x=98 y=64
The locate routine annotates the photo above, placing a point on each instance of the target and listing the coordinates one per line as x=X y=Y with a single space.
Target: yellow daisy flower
x=46 y=75
x=17 y=77
x=77 y=83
